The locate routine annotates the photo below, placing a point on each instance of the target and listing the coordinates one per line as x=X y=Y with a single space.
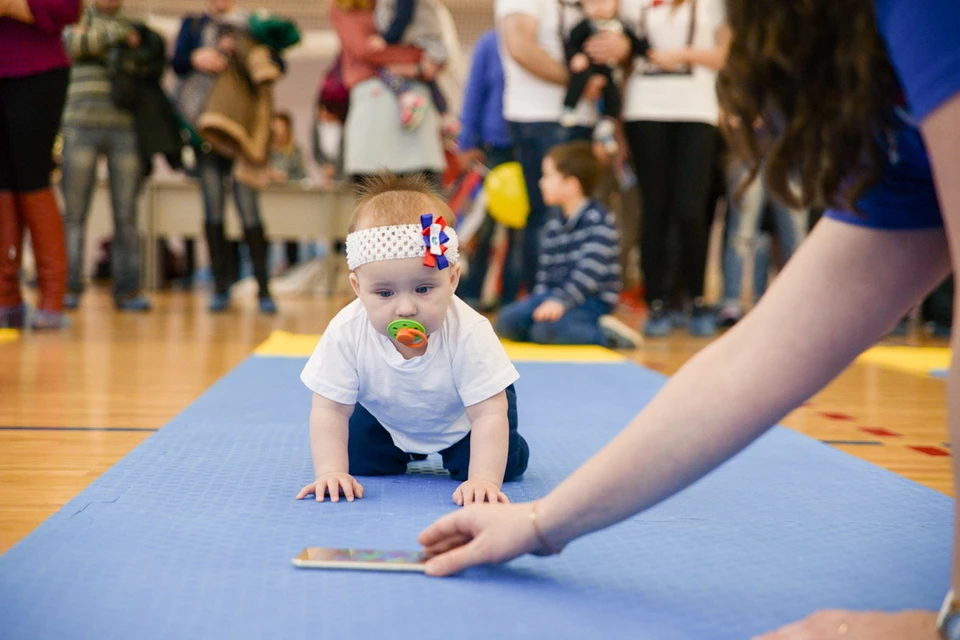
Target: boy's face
x=405 y=289
x=600 y=9
x=555 y=187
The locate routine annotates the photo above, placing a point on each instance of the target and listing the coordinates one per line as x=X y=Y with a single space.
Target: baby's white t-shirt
x=421 y=402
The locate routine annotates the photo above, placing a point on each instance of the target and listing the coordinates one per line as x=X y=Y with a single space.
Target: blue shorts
x=905 y=198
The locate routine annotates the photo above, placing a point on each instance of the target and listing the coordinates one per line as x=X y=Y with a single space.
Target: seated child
x=578 y=279
x=286 y=159
x=408 y=369
x=415 y=23
x=601 y=15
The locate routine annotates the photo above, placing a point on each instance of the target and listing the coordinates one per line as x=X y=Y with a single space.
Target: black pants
x=372 y=451
x=673 y=162
x=30 y=111
x=610 y=93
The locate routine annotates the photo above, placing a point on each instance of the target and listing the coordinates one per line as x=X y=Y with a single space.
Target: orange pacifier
x=409 y=333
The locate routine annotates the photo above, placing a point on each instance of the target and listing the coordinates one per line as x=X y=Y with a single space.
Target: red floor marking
x=931 y=451
x=880 y=431
x=835 y=416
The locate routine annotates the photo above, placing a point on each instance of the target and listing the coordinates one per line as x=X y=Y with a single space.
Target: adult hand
x=608 y=48
x=548 y=311
x=333 y=482
x=478 y=491
x=860 y=625
x=133 y=39
x=668 y=59
x=478 y=534
x=208 y=60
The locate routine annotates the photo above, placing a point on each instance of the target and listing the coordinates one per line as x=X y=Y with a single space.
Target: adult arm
x=520 y=42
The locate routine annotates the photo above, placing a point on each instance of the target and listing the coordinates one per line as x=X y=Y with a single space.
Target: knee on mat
x=517 y=460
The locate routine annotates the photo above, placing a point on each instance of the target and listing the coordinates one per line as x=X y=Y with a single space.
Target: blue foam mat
x=191 y=534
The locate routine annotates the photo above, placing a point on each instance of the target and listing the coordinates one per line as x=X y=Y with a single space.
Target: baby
x=601 y=15
x=408 y=369
x=415 y=23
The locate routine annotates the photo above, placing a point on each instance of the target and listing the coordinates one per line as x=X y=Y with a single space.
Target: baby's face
x=405 y=289
x=600 y=9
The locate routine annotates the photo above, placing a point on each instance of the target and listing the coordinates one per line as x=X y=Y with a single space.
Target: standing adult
x=34 y=72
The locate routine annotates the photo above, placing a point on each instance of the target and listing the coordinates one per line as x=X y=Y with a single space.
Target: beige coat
x=236 y=120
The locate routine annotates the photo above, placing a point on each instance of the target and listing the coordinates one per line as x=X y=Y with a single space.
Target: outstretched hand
x=478 y=534
x=333 y=483
x=478 y=491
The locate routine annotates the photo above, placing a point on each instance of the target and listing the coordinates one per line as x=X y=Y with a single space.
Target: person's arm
x=50 y=16
x=187 y=41
x=353 y=29
x=402 y=17
x=94 y=41
x=489 y=441
x=713 y=57
x=742 y=384
x=329 y=432
x=520 y=42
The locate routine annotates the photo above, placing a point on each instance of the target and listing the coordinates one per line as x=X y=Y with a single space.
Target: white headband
x=435 y=242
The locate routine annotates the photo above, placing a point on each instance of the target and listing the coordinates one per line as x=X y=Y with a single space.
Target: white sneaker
x=619 y=335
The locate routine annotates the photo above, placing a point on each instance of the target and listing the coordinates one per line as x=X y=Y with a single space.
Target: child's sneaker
x=657 y=324
x=730 y=314
x=568 y=118
x=617 y=334
x=606 y=134
x=267 y=306
x=413 y=107
x=703 y=322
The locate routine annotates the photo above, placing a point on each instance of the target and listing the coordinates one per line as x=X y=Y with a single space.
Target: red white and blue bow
x=435 y=239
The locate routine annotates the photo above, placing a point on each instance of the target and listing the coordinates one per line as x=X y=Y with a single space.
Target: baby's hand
x=333 y=483
x=376 y=43
x=548 y=311
x=579 y=62
x=473 y=491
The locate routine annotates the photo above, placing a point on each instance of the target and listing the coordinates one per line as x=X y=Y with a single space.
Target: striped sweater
x=88 y=96
x=580 y=258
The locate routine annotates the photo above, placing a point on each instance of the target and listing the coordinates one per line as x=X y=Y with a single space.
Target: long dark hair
x=809 y=88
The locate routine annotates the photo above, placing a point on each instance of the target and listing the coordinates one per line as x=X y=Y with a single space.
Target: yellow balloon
x=506 y=192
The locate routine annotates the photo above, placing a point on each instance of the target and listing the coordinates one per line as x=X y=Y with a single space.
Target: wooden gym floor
x=74 y=403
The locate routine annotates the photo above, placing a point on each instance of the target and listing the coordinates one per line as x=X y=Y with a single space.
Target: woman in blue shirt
x=861 y=99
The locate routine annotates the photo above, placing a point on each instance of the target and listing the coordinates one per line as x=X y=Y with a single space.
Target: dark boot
x=41 y=215
x=257 y=243
x=218 y=247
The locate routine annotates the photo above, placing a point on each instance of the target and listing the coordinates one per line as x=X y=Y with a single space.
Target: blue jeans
x=82 y=146
x=577 y=326
x=371 y=451
x=743 y=231
x=213 y=171
x=531 y=142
